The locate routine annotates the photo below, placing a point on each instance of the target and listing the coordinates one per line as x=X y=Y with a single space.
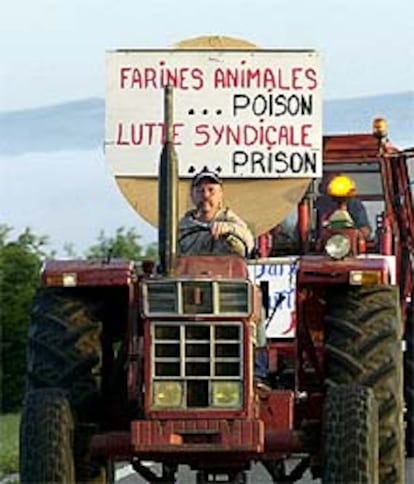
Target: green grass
x=9 y=443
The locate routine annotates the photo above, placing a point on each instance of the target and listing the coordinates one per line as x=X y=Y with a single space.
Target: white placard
x=280 y=274
x=248 y=114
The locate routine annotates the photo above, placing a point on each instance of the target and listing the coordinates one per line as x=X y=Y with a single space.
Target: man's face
x=207 y=197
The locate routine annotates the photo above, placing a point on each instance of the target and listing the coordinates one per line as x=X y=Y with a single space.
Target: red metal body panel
x=322 y=270
x=187 y=440
x=303 y=221
x=352 y=147
x=230 y=266
x=276 y=410
x=117 y=445
x=282 y=442
x=88 y=273
x=198 y=436
x=277 y=349
x=264 y=244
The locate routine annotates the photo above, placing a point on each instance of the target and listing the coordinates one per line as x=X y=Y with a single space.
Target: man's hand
x=218 y=229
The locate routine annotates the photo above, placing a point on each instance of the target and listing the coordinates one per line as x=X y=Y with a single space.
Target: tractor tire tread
x=46 y=433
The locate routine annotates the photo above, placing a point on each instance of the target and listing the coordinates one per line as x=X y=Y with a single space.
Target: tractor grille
x=204 y=297
x=197 y=357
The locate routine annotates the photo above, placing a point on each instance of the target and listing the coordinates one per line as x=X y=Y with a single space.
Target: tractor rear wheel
x=65 y=353
x=363 y=346
x=65 y=347
x=409 y=380
x=46 y=438
x=350 y=428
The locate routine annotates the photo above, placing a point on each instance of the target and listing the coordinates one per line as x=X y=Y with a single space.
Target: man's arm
x=198 y=238
x=235 y=232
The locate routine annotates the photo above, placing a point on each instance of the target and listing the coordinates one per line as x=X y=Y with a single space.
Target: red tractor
x=136 y=364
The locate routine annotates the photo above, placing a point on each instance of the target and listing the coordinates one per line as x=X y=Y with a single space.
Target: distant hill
x=72 y=126
x=79 y=125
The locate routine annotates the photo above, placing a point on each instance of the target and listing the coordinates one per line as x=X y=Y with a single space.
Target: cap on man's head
x=206 y=175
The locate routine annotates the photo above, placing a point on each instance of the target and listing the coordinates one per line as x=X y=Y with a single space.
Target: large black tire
x=363 y=346
x=409 y=380
x=350 y=436
x=65 y=348
x=46 y=438
x=65 y=353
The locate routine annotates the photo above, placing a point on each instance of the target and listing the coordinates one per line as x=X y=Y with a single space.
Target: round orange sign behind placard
x=261 y=203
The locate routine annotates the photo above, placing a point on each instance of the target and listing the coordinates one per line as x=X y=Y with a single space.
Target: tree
x=20 y=262
x=124 y=244
x=151 y=251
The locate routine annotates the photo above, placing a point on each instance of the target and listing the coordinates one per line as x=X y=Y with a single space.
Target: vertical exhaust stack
x=168 y=193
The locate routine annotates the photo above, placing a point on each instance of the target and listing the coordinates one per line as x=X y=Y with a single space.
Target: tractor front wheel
x=46 y=438
x=350 y=428
x=363 y=345
x=65 y=353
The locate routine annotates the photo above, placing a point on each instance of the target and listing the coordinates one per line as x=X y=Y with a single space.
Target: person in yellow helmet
x=334 y=186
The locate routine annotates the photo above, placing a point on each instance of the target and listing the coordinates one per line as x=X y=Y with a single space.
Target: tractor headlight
x=338 y=246
x=227 y=394
x=167 y=394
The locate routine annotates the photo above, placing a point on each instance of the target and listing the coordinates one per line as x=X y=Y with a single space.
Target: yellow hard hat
x=341 y=186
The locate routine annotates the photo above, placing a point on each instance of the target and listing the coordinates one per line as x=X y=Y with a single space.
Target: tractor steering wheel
x=206 y=227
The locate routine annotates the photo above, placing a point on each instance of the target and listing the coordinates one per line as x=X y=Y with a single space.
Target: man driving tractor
x=211 y=227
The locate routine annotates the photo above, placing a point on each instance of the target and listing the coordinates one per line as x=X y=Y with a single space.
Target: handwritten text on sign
x=249 y=113
x=280 y=274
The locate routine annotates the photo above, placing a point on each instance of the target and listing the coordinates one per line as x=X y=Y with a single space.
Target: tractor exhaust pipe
x=168 y=193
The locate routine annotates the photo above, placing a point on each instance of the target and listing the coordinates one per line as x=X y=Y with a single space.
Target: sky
x=53 y=51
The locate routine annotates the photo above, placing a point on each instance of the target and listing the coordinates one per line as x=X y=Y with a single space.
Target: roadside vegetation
x=9 y=444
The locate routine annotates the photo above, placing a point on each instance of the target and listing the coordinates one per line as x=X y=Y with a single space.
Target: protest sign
x=246 y=114
x=280 y=276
